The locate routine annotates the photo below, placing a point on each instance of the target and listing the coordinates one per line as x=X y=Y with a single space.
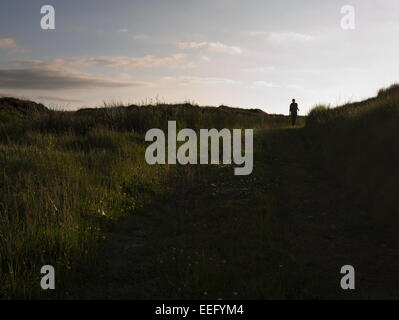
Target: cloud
x=217 y=47
x=185 y=80
x=63 y=73
x=124 y=76
x=4 y=94
x=259 y=69
x=295 y=86
x=265 y=84
x=123 y=30
x=206 y=59
x=282 y=36
x=42 y=77
x=178 y=60
x=58 y=99
x=141 y=37
x=9 y=44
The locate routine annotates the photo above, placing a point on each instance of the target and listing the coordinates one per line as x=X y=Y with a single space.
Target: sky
x=241 y=53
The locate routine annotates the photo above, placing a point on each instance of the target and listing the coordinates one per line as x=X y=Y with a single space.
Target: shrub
x=319 y=115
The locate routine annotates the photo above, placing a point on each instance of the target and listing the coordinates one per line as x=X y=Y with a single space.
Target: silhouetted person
x=293 y=112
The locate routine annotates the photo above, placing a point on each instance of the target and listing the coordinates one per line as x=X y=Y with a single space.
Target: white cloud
x=185 y=80
x=211 y=47
x=123 y=30
x=282 y=36
x=265 y=84
x=259 y=69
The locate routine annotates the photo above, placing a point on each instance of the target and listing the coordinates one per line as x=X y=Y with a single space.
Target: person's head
x=293 y=100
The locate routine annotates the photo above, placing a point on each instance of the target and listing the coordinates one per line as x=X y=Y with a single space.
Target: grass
x=357 y=143
x=67 y=178
x=194 y=242
x=59 y=192
x=76 y=193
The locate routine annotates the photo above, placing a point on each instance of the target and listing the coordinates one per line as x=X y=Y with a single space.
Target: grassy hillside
x=359 y=143
x=68 y=176
x=76 y=193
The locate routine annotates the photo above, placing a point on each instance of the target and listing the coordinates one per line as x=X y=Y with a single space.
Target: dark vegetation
x=67 y=177
x=359 y=143
x=76 y=193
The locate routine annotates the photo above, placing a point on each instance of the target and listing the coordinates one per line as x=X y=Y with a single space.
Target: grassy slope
x=319 y=198
x=67 y=177
x=356 y=148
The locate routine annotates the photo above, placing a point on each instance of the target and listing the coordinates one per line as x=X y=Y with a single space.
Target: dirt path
x=278 y=233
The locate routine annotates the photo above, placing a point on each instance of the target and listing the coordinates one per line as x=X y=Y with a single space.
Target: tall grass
x=67 y=177
x=59 y=193
x=358 y=144
x=319 y=115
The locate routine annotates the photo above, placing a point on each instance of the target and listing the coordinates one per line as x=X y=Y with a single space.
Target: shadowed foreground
x=77 y=193
x=282 y=233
